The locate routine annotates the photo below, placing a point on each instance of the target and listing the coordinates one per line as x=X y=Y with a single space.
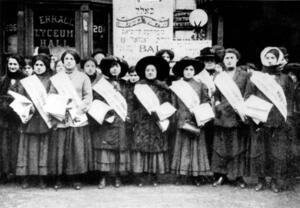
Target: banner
x=266 y=84
x=38 y=95
x=231 y=92
x=112 y=97
x=141 y=28
x=64 y=86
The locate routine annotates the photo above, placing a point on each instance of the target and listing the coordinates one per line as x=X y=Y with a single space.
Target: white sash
x=191 y=100
x=231 y=92
x=150 y=101
x=38 y=95
x=186 y=94
x=205 y=78
x=64 y=86
x=22 y=106
x=112 y=97
x=147 y=97
x=272 y=90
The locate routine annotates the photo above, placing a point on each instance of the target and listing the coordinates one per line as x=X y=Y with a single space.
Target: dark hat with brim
x=207 y=54
x=108 y=62
x=183 y=63
x=292 y=67
x=160 y=64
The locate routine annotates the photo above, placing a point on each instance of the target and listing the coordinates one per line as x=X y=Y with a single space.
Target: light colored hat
x=266 y=50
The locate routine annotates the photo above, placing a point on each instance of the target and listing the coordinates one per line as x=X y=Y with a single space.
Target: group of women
x=191 y=119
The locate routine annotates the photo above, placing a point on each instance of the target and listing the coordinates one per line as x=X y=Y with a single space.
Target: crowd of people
x=206 y=118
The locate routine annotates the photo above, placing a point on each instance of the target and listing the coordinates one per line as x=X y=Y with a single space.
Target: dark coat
x=275 y=119
x=36 y=125
x=225 y=114
x=269 y=141
x=8 y=118
x=110 y=136
x=183 y=114
x=147 y=136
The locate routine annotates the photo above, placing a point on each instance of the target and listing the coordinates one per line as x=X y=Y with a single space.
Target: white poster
x=189 y=48
x=141 y=28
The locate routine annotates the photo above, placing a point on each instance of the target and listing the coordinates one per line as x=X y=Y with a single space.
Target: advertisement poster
x=141 y=27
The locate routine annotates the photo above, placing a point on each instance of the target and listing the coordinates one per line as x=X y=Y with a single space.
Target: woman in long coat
x=230 y=135
x=110 y=142
x=35 y=134
x=270 y=140
x=70 y=150
x=190 y=154
x=293 y=70
x=149 y=147
x=9 y=121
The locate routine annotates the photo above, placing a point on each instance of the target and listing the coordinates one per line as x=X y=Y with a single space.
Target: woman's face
x=59 y=67
x=230 y=60
x=89 y=67
x=210 y=64
x=150 y=72
x=271 y=59
x=13 y=65
x=39 y=67
x=115 y=70
x=219 y=68
x=133 y=77
x=69 y=62
x=189 y=72
x=28 y=70
x=99 y=57
x=166 y=56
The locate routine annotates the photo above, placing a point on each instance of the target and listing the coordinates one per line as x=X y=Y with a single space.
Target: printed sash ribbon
x=186 y=94
x=151 y=103
x=114 y=98
x=64 y=86
x=191 y=100
x=38 y=95
x=205 y=78
x=147 y=97
x=231 y=92
x=272 y=90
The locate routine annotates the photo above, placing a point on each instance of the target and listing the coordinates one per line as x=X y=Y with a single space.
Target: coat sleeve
x=204 y=94
x=87 y=94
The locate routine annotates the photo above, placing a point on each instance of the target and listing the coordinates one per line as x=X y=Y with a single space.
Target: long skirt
x=112 y=161
x=294 y=138
x=33 y=154
x=190 y=155
x=269 y=152
x=70 y=151
x=229 y=152
x=148 y=162
x=9 y=140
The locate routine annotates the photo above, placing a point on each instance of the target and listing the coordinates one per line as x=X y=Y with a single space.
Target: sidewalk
x=163 y=196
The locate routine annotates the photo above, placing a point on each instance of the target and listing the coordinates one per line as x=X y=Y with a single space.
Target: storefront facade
x=81 y=25
x=87 y=25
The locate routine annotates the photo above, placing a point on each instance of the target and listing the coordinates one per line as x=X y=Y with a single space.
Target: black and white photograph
x=149 y=103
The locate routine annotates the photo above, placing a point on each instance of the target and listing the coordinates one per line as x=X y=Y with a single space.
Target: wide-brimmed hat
x=168 y=51
x=183 y=63
x=292 y=67
x=160 y=64
x=207 y=53
x=107 y=62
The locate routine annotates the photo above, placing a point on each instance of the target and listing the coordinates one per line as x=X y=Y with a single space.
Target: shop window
x=54 y=29
x=10 y=30
x=100 y=30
